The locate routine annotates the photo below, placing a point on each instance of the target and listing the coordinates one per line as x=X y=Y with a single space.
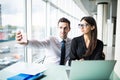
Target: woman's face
x=85 y=27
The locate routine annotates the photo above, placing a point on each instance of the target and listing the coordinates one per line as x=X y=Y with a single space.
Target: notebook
x=91 y=70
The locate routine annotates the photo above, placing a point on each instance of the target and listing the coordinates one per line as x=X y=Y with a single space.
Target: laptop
x=91 y=70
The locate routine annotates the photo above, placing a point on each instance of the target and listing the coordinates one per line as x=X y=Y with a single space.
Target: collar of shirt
x=60 y=40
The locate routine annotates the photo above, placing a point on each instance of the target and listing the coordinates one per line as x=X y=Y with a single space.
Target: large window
x=11 y=18
x=39 y=29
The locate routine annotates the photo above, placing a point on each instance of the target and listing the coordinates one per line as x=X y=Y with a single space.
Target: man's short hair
x=63 y=19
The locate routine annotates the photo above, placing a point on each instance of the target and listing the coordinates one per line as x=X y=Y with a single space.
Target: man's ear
x=93 y=27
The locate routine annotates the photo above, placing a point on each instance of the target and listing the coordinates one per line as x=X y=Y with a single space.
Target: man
x=52 y=44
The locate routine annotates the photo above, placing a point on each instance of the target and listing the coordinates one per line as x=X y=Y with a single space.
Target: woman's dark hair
x=63 y=19
x=91 y=21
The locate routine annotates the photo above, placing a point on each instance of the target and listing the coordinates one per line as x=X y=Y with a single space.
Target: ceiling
x=89 y=7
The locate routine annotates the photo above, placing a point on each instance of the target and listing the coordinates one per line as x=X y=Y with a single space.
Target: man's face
x=63 y=29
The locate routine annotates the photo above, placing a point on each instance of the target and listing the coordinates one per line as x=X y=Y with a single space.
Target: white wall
x=117 y=47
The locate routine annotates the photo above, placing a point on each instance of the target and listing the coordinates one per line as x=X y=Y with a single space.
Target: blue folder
x=23 y=76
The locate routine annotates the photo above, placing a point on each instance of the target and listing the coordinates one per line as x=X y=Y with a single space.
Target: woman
x=87 y=46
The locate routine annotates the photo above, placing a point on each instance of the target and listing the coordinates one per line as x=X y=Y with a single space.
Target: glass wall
x=37 y=18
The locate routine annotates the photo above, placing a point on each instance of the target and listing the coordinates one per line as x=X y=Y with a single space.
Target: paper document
x=33 y=69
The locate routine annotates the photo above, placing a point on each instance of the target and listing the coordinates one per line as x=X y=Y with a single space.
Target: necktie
x=62 y=59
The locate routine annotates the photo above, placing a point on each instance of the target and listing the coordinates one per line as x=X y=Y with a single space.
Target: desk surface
x=53 y=72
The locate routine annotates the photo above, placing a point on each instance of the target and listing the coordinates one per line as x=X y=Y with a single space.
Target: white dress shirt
x=53 y=46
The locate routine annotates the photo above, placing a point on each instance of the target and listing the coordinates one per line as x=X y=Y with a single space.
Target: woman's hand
x=81 y=59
